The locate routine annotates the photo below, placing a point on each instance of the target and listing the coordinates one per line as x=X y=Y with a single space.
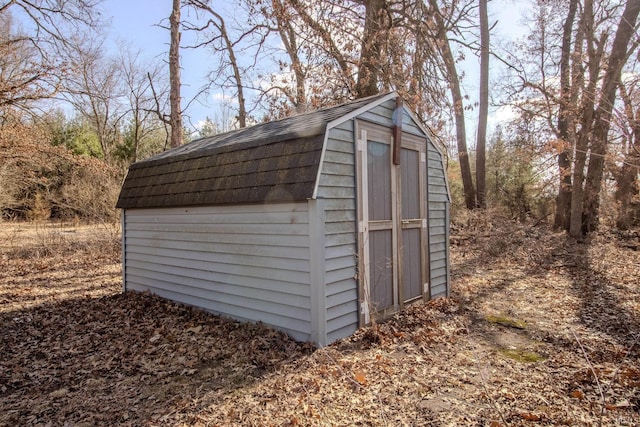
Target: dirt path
x=539 y=331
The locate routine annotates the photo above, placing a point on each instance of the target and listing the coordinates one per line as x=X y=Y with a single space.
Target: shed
x=314 y=224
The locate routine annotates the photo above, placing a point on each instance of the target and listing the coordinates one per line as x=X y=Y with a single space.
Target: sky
x=136 y=22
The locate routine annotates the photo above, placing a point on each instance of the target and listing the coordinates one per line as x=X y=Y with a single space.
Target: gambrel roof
x=271 y=162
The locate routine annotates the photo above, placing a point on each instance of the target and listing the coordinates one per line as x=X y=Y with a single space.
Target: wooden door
x=392 y=221
x=413 y=220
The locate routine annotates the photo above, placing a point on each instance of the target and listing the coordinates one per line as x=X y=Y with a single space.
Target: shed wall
x=337 y=188
x=247 y=262
x=438 y=211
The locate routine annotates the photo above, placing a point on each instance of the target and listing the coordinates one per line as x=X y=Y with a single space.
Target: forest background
x=74 y=115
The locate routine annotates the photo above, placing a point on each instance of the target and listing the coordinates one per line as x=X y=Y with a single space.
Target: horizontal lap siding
x=246 y=262
x=438 y=208
x=381 y=114
x=337 y=188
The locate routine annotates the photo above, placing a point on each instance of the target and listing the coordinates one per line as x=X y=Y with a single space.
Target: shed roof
x=270 y=162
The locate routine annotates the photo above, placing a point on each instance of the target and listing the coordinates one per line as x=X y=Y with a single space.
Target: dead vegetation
x=540 y=330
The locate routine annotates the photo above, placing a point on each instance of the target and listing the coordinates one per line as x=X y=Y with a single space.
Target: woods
x=595 y=43
x=568 y=82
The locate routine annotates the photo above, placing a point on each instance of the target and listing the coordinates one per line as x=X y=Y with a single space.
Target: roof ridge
x=294 y=126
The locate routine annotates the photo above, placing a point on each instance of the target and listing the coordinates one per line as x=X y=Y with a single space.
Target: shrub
x=39 y=181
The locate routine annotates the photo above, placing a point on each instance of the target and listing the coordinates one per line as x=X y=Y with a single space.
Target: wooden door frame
x=419 y=144
x=362 y=130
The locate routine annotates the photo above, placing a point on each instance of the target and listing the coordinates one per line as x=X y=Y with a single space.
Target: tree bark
x=237 y=76
x=370 y=55
x=481 y=143
x=563 y=200
x=626 y=176
x=458 y=106
x=602 y=120
x=175 y=117
x=288 y=37
x=594 y=56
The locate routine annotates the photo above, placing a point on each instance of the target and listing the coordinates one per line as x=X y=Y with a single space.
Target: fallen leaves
x=360 y=377
x=577 y=394
x=77 y=351
x=528 y=416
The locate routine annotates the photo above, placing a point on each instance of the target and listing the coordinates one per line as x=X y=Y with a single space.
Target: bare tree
x=483 y=112
x=565 y=109
x=602 y=120
x=284 y=24
x=627 y=165
x=94 y=90
x=576 y=45
x=140 y=110
x=25 y=76
x=35 y=37
x=324 y=32
x=441 y=27
x=595 y=50
x=175 y=118
x=377 y=23
x=238 y=43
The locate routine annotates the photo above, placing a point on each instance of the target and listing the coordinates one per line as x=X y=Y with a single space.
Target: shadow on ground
x=125 y=359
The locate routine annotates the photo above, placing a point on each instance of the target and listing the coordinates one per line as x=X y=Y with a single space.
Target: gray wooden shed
x=313 y=224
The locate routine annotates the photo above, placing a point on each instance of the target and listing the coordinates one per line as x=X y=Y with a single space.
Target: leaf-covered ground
x=539 y=330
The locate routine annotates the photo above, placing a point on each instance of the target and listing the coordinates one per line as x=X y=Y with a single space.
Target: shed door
x=392 y=217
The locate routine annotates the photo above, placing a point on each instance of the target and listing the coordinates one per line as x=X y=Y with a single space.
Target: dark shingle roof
x=271 y=162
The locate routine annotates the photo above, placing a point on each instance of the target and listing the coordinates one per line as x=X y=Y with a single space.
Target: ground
x=539 y=330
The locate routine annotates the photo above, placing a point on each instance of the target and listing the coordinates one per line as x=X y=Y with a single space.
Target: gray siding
x=409 y=125
x=381 y=114
x=438 y=211
x=337 y=188
x=247 y=262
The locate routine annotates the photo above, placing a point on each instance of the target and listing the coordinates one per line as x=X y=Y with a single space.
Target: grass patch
x=522 y=356
x=507 y=321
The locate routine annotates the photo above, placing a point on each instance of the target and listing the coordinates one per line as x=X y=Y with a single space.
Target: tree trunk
x=626 y=176
x=563 y=200
x=461 y=134
x=602 y=121
x=175 y=118
x=333 y=50
x=370 y=55
x=288 y=37
x=627 y=185
x=458 y=106
x=481 y=143
x=594 y=56
x=242 y=109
